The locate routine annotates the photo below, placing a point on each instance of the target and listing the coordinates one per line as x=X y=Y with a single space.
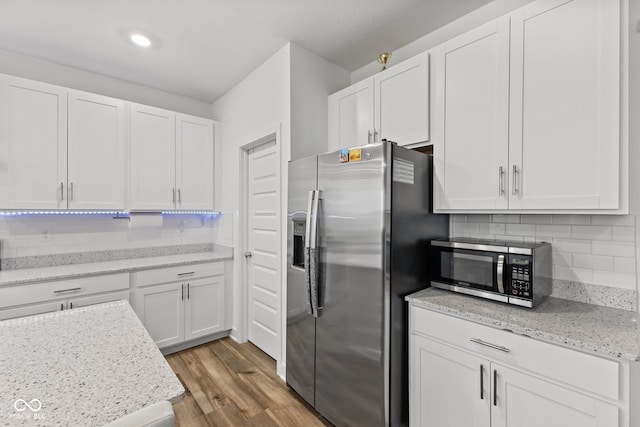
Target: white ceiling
x=202 y=48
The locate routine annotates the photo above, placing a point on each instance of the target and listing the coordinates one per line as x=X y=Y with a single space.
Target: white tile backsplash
x=592 y=249
x=24 y=235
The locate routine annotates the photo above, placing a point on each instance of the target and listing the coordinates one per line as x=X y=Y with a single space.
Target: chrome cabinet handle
x=376 y=136
x=173 y=197
x=369 y=137
x=71 y=192
x=490 y=345
x=61 y=191
x=500 y=181
x=70 y=305
x=190 y=273
x=182 y=291
x=514 y=190
x=500 y=273
x=179 y=196
x=188 y=290
x=495 y=387
x=481 y=382
x=62 y=307
x=60 y=291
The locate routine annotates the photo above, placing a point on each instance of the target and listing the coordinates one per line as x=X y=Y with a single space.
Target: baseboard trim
x=192 y=343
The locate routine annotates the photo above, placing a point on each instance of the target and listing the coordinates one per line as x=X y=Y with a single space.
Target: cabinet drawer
x=173 y=274
x=62 y=289
x=590 y=373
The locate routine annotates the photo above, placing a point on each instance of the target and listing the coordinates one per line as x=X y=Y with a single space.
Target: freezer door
x=301 y=338
x=350 y=365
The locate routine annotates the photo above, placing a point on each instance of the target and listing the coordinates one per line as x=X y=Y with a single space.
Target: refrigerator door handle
x=307 y=253
x=313 y=257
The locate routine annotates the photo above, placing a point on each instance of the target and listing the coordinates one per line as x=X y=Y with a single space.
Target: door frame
x=264 y=137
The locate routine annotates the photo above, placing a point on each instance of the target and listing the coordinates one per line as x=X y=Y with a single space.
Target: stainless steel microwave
x=512 y=272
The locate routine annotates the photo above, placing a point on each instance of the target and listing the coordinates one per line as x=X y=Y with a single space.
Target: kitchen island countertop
x=72 y=271
x=597 y=329
x=82 y=367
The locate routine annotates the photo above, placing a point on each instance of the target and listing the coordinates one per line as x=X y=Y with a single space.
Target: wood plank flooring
x=231 y=384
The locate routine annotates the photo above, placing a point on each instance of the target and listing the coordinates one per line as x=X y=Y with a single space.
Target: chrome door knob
x=248 y=254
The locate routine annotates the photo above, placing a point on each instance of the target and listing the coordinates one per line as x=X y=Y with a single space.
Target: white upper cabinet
x=33 y=145
x=565 y=105
x=527 y=112
x=393 y=105
x=194 y=163
x=471 y=118
x=402 y=101
x=171 y=160
x=152 y=161
x=351 y=116
x=96 y=152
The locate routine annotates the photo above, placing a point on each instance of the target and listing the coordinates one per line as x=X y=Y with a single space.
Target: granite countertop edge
x=73 y=271
x=544 y=333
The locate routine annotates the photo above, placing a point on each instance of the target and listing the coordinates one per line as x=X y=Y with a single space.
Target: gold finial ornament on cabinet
x=383 y=58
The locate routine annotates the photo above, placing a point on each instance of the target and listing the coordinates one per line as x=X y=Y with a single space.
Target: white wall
x=312 y=80
x=253 y=109
x=62 y=75
x=288 y=93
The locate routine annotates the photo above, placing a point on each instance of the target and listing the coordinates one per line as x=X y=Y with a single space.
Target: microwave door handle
x=500 y=274
x=307 y=254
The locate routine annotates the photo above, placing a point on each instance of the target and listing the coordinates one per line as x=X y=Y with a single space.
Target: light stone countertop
x=30 y=275
x=602 y=330
x=86 y=367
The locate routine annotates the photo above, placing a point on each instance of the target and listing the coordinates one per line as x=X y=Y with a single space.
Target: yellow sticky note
x=355 y=155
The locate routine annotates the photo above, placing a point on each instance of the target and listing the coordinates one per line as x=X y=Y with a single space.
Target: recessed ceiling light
x=140 y=40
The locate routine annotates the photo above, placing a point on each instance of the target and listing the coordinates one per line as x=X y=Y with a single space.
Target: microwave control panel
x=520 y=276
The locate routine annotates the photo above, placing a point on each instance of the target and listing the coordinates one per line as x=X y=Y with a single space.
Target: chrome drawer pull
x=488 y=344
x=191 y=273
x=67 y=290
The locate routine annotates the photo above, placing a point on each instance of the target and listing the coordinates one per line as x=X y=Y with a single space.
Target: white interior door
x=263 y=245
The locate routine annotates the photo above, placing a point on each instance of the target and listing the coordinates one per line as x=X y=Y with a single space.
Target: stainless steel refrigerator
x=359 y=225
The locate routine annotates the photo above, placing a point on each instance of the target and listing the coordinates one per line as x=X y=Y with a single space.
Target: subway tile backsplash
x=591 y=250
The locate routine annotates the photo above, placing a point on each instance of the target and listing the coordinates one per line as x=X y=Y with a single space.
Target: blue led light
x=118 y=213
x=18 y=213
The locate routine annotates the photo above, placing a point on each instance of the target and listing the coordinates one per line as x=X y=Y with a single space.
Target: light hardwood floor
x=231 y=384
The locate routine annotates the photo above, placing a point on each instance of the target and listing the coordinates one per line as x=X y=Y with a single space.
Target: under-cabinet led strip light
x=120 y=213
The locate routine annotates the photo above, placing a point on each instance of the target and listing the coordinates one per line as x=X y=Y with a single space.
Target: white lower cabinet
x=46 y=297
x=180 y=304
x=519 y=382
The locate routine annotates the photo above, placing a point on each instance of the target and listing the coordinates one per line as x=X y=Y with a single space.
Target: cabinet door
x=161 y=309
x=351 y=115
x=447 y=387
x=525 y=401
x=565 y=96
x=33 y=145
x=31 y=309
x=98 y=299
x=204 y=313
x=194 y=163
x=152 y=162
x=471 y=114
x=96 y=152
x=402 y=101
